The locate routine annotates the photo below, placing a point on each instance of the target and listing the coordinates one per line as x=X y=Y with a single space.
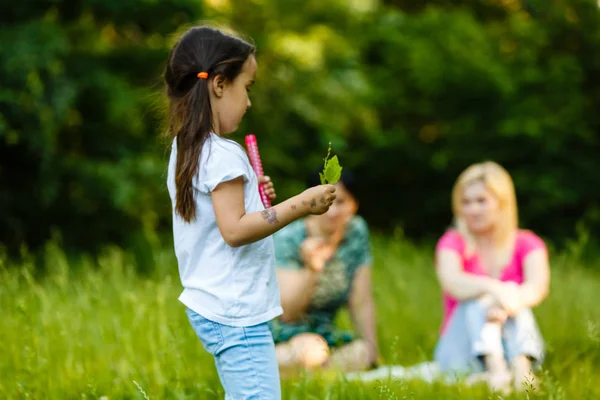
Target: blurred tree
x=409 y=92
x=457 y=88
x=78 y=148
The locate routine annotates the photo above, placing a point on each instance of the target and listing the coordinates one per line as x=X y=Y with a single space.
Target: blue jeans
x=244 y=356
x=462 y=345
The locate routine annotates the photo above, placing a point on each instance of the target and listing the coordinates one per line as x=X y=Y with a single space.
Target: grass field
x=95 y=328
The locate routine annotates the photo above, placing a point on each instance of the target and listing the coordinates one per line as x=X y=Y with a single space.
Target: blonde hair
x=498 y=181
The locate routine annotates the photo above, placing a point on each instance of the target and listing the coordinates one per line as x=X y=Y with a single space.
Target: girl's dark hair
x=200 y=49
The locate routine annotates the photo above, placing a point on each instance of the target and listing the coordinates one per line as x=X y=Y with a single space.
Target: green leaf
x=332 y=171
x=322 y=178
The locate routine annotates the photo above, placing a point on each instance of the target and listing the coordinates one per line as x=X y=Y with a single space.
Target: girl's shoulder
x=219 y=153
x=224 y=146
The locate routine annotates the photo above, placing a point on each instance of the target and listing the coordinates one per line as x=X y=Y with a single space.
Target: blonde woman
x=492 y=274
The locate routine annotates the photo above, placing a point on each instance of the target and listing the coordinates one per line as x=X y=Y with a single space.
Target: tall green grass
x=90 y=328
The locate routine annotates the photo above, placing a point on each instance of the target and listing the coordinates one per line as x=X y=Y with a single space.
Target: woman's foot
x=500 y=382
x=525 y=380
x=476 y=378
x=499 y=378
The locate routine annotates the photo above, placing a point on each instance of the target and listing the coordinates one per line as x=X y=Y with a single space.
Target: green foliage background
x=409 y=92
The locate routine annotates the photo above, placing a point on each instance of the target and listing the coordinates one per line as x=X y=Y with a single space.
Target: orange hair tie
x=202 y=75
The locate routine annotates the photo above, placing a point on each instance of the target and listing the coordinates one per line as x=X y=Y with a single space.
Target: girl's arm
x=239 y=228
x=362 y=310
x=456 y=282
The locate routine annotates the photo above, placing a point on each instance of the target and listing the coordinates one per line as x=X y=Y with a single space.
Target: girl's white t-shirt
x=231 y=286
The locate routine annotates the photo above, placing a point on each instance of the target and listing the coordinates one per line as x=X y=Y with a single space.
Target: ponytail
x=199 y=56
x=190 y=138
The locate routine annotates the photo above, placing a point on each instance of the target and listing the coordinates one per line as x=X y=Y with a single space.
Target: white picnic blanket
x=427 y=371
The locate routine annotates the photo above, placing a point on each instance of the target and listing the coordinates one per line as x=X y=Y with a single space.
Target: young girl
x=222 y=232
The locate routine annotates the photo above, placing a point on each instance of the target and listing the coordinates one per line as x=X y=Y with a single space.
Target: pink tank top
x=527 y=241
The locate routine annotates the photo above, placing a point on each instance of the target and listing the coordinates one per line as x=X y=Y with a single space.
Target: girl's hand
x=318 y=199
x=268 y=186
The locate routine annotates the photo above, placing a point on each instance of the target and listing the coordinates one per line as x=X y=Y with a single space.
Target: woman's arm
x=362 y=309
x=239 y=228
x=536 y=285
x=296 y=287
x=456 y=282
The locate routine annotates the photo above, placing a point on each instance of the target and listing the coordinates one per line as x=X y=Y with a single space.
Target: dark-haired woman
x=323 y=265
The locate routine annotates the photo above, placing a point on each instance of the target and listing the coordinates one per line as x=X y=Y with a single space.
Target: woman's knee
x=305 y=350
x=478 y=306
x=525 y=315
x=523 y=321
x=522 y=336
x=486 y=300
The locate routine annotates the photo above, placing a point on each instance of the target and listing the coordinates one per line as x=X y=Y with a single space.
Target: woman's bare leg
x=525 y=379
x=499 y=376
x=352 y=357
x=525 y=349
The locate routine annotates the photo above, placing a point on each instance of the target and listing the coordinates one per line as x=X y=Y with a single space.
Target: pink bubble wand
x=252 y=146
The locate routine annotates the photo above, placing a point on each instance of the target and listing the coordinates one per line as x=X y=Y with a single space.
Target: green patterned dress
x=333 y=288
